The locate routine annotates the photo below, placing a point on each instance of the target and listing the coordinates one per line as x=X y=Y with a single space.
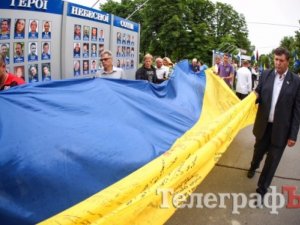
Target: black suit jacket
x=287 y=111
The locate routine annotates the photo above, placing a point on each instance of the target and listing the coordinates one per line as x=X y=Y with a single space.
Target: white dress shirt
x=276 y=91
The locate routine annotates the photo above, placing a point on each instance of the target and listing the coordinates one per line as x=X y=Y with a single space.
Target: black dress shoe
x=250 y=173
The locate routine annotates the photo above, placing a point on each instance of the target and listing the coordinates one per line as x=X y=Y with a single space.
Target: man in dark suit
x=277 y=119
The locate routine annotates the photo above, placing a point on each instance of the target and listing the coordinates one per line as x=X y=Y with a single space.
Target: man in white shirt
x=108 y=70
x=244 y=81
x=162 y=72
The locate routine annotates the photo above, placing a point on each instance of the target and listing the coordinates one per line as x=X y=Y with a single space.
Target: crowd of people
x=155 y=74
x=242 y=79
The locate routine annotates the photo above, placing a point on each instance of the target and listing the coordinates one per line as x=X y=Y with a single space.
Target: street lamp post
x=95 y=3
x=138 y=8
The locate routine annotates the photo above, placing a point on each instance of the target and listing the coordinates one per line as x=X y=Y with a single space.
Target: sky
x=264 y=36
x=285 y=16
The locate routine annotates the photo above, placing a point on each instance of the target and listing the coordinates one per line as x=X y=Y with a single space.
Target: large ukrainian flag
x=97 y=151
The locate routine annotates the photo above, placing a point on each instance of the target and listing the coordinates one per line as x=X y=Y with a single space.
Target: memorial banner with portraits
x=66 y=36
x=30 y=35
x=87 y=34
x=125 y=45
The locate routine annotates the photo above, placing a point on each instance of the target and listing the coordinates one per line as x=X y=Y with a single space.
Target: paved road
x=229 y=176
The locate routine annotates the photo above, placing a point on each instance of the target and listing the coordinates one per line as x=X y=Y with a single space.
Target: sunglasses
x=104 y=59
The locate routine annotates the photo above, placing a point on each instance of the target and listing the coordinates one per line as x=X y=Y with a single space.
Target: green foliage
x=266 y=60
x=183 y=29
x=290 y=43
x=297 y=46
x=293 y=45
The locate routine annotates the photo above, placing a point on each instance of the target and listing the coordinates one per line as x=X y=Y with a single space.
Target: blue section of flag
x=63 y=141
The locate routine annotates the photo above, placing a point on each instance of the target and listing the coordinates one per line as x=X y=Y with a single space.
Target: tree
x=297 y=49
x=266 y=60
x=199 y=21
x=230 y=27
x=297 y=40
x=184 y=28
x=288 y=43
x=164 y=30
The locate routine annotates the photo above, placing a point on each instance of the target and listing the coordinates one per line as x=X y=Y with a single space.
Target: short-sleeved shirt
x=225 y=70
x=12 y=81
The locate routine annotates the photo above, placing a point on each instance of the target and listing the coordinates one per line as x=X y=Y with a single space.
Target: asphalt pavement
x=229 y=176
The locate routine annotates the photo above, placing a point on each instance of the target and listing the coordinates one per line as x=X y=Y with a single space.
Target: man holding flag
x=278 y=117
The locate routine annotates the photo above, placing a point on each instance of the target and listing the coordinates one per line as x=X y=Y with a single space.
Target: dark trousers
x=262 y=147
x=241 y=96
x=253 y=79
